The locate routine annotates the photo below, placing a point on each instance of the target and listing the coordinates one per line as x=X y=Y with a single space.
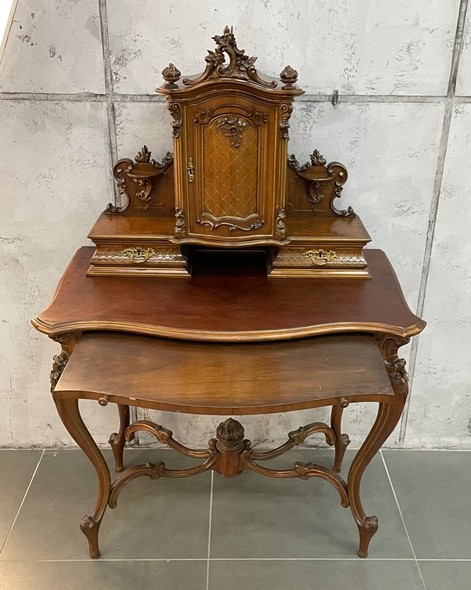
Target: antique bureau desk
x=227 y=282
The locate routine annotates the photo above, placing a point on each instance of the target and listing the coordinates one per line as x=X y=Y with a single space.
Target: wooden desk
x=224 y=345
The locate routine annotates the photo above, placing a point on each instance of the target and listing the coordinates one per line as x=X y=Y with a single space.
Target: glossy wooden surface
x=228 y=307
x=299 y=229
x=214 y=378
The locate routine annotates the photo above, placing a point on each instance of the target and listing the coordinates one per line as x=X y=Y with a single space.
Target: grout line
x=360 y=559
x=53 y=96
x=110 y=108
x=103 y=559
x=387 y=98
x=199 y=559
x=22 y=502
x=402 y=519
x=444 y=559
x=431 y=449
x=119 y=97
x=140 y=98
x=457 y=47
x=435 y=201
x=202 y=559
x=210 y=527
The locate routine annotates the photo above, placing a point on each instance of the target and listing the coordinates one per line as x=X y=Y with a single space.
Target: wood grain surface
x=216 y=378
x=229 y=308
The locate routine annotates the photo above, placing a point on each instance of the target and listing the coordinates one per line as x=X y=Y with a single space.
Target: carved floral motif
x=398 y=376
x=204 y=116
x=286 y=110
x=240 y=66
x=179 y=223
x=176 y=112
x=144 y=155
x=59 y=363
x=233 y=127
x=280 y=224
x=317 y=159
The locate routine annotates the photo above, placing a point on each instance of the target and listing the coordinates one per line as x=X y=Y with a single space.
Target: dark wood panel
x=231 y=307
x=215 y=378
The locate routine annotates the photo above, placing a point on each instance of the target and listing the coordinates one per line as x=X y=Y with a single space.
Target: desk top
x=225 y=378
x=229 y=308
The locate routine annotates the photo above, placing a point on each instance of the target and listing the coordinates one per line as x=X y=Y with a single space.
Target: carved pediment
x=228 y=61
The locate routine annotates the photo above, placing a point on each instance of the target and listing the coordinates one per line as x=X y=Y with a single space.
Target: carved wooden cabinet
x=221 y=339
x=230 y=140
x=229 y=183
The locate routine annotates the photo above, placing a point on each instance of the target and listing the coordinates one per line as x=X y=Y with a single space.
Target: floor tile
x=102 y=575
x=446 y=575
x=314 y=575
x=433 y=492
x=154 y=519
x=254 y=516
x=16 y=470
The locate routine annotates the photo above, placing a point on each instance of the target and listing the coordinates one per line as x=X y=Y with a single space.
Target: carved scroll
x=137 y=181
x=323 y=183
x=59 y=361
x=280 y=225
x=176 y=112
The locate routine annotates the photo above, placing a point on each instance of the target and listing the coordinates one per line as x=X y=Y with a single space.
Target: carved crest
x=137 y=179
x=323 y=180
x=240 y=66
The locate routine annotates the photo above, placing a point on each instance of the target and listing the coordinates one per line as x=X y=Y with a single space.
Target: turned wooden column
x=230 y=444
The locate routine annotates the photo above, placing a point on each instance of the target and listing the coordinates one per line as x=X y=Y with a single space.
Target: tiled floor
x=248 y=533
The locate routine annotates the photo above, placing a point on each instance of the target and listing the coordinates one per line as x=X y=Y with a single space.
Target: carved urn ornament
x=229 y=182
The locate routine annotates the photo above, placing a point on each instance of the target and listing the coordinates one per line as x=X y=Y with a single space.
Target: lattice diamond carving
x=230 y=189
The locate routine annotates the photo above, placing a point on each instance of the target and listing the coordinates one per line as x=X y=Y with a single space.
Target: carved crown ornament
x=239 y=66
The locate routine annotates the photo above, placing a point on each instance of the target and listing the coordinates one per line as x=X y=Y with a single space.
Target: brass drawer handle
x=139 y=255
x=190 y=170
x=320 y=257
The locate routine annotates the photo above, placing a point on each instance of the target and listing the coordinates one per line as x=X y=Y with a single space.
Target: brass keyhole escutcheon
x=190 y=170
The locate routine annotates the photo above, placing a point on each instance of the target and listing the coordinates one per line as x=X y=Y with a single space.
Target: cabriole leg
x=386 y=420
x=70 y=415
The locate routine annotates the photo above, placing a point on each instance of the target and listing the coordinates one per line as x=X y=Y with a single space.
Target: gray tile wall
x=76 y=90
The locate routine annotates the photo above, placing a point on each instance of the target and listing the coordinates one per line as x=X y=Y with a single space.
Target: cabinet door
x=231 y=174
